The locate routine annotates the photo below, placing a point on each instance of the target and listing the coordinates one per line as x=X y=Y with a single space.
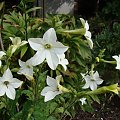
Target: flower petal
x=51 y=82
x=50 y=35
x=2 y=89
x=7 y=75
x=99 y=81
x=52 y=59
x=10 y=92
x=88 y=34
x=1 y=54
x=47 y=89
x=96 y=75
x=50 y=95
x=86 y=25
x=21 y=63
x=36 y=43
x=117 y=58
x=59 y=48
x=0 y=63
x=38 y=58
x=16 y=83
x=90 y=42
x=82 y=21
x=93 y=85
x=86 y=86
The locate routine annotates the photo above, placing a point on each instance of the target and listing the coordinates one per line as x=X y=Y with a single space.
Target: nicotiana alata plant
x=45 y=67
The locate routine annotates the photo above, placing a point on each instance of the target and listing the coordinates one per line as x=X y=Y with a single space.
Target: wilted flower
x=16 y=44
x=92 y=81
x=63 y=61
x=17 y=41
x=117 y=58
x=47 y=48
x=87 y=32
x=1 y=55
x=8 y=84
x=26 y=68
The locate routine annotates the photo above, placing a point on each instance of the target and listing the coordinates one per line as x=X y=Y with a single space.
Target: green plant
x=37 y=53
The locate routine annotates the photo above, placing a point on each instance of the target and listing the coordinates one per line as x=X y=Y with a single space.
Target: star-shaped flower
x=117 y=58
x=63 y=61
x=83 y=101
x=52 y=89
x=26 y=68
x=87 y=32
x=47 y=48
x=8 y=84
x=92 y=81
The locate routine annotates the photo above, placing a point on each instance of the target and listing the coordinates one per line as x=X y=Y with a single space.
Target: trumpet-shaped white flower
x=1 y=55
x=87 y=32
x=52 y=89
x=117 y=58
x=63 y=61
x=47 y=48
x=8 y=84
x=26 y=68
x=92 y=81
x=83 y=101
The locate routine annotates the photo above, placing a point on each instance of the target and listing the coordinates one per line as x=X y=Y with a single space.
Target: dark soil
x=107 y=111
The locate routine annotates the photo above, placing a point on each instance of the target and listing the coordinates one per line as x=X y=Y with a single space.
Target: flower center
x=92 y=79
x=28 y=66
x=47 y=46
x=6 y=83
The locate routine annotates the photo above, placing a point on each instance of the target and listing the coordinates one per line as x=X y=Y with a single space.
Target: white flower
x=47 y=47
x=117 y=58
x=1 y=55
x=83 y=101
x=8 y=84
x=52 y=89
x=92 y=81
x=87 y=32
x=63 y=61
x=26 y=68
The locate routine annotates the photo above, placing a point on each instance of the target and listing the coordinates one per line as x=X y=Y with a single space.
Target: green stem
x=70 y=105
x=1 y=25
x=26 y=36
x=111 y=62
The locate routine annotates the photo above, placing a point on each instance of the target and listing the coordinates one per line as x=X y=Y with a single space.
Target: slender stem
x=1 y=26
x=111 y=62
x=43 y=11
x=26 y=36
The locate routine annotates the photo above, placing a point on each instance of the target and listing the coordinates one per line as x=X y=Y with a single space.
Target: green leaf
x=51 y=118
x=33 y=9
x=23 y=51
x=84 y=50
x=95 y=98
